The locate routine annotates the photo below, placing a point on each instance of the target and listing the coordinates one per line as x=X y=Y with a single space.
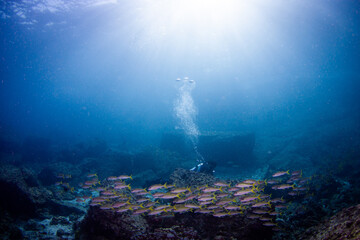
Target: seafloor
x=46 y=193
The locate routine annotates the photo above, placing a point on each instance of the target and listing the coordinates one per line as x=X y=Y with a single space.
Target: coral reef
x=25 y=204
x=110 y=222
x=37 y=198
x=183 y=178
x=24 y=196
x=110 y=225
x=175 y=232
x=344 y=225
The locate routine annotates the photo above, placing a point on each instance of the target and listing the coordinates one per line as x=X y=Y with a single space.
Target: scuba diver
x=205 y=167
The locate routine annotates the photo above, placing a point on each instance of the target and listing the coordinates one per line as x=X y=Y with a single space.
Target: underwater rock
x=158 y=164
x=184 y=178
x=24 y=203
x=17 y=198
x=8 y=228
x=199 y=226
x=33 y=225
x=108 y=164
x=99 y=224
x=176 y=142
x=56 y=220
x=228 y=149
x=344 y=225
x=312 y=146
x=47 y=176
x=22 y=196
x=61 y=233
x=48 y=229
x=225 y=149
x=145 y=178
x=175 y=232
x=105 y=222
x=149 y=165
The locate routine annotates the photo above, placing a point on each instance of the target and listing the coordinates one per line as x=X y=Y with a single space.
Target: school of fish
x=221 y=199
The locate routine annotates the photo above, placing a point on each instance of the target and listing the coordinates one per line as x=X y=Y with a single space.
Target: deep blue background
x=107 y=72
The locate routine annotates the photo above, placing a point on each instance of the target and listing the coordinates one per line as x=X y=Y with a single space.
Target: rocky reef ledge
x=31 y=211
x=102 y=224
x=344 y=225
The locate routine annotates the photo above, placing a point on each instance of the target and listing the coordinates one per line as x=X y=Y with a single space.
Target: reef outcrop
x=183 y=178
x=343 y=225
x=23 y=196
x=100 y=224
x=108 y=224
x=23 y=200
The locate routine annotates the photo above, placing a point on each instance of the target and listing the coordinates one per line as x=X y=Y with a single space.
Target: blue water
x=236 y=88
x=77 y=70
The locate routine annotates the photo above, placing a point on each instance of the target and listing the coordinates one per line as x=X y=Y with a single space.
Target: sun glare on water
x=199 y=17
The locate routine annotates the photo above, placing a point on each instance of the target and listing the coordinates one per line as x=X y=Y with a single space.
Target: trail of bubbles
x=186 y=112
